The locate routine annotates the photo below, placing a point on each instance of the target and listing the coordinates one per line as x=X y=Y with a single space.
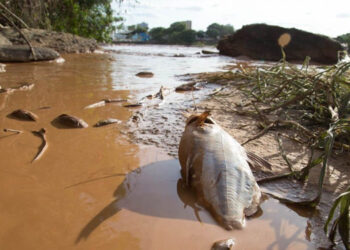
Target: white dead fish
x=107 y=122
x=216 y=166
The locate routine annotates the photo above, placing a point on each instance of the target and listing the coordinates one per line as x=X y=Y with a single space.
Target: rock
x=223 y=244
x=4 y=41
x=24 y=115
x=70 y=121
x=22 y=53
x=260 y=41
x=106 y=122
x=145 y=74
x=187 y=87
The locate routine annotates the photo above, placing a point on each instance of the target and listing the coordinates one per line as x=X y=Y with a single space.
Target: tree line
x=87 y=18
x=178 y=33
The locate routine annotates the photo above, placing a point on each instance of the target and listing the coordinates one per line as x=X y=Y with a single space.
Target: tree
x=201 y=34
x=344 y=39
x=213 y=30
x=187 y=37
x=216 y=30
x=89 y=18
x=177 y=27
x=158 y=34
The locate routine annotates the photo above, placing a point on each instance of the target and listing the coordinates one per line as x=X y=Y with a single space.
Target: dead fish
x=133 y=105
x=106 y=122
x=216 y=166
x=145 y=74
x=24 y=115
x=223 y=244
x=25 y=86
x=103 y=103
x=114 y=100
x=71 y=121
x=96 y=105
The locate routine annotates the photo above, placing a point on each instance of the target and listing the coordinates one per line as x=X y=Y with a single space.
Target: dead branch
x=264 y=131
x=21 y=33
x=284 y=156
x=43 y=146
x=14 y=15
x=13 y=130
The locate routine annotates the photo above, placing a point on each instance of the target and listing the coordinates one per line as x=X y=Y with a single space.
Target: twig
x=22 y=34
x=295 y=99
x=264 y=131
x=273 y=178
x=261 y=115
x=43 y=146
x=194 y=102
x=298 y=125
x=283 y=153
x=13 y=130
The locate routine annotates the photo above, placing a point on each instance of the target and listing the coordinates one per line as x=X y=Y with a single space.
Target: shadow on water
x=155 y=190
x=158 y=190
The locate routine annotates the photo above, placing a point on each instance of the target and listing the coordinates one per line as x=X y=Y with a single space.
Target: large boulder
x=260 y=41
x=22 y=53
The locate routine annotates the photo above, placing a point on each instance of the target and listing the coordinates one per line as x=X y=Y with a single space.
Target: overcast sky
x=328 y=17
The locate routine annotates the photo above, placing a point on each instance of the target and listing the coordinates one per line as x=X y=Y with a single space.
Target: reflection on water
x=65 y=200
x=156 y=191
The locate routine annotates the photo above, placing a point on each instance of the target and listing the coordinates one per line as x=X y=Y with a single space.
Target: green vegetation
x=344 y=39
x=216 y=30
x=177 y=33
x=88 y=18
x=342 y=221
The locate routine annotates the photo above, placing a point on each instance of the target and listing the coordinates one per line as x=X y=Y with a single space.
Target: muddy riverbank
x=95 y=188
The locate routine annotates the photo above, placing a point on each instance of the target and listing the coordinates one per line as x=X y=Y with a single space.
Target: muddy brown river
x=96 y=189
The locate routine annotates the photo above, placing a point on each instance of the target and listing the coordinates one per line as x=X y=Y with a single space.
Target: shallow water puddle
x=153 y=205
x=65 y=200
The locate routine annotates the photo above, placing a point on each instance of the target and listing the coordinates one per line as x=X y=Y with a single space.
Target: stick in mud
x=42 y=134
x=13 y=130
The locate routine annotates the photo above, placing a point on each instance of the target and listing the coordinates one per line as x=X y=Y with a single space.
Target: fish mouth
x=232 y=223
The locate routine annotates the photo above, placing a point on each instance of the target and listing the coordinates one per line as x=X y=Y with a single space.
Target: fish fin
x=202 y=117
x=196 y=209
x=256 y=161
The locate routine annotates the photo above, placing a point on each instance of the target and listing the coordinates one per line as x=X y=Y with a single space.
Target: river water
x=94 y=188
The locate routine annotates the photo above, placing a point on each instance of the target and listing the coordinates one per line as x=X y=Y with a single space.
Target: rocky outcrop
x=260 y=41
x=59 y=41
x=47 y=44
x=22 y=53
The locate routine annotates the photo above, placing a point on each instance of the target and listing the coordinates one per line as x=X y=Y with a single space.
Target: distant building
x=188 y=25
x=140 y=37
